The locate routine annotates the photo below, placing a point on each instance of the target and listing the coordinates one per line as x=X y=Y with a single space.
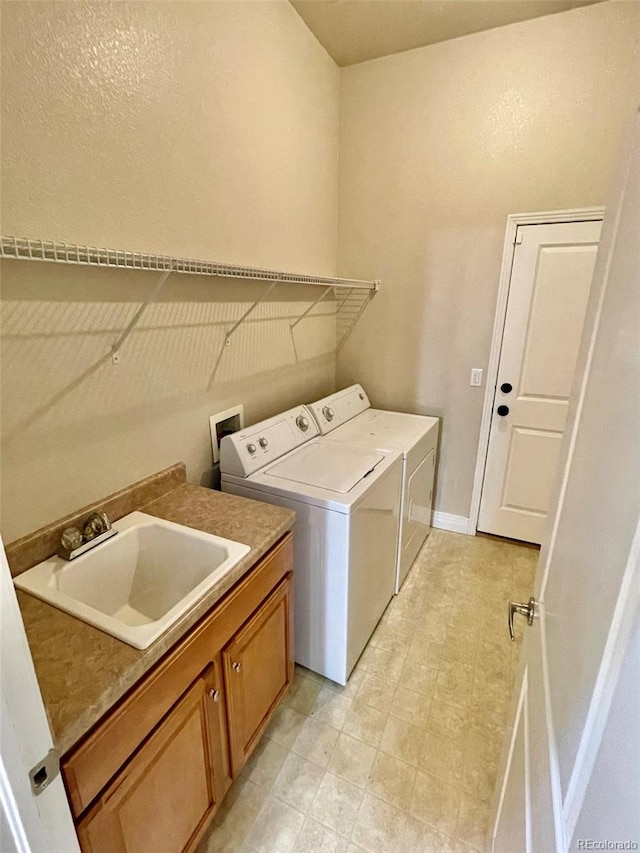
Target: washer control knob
x=251 y=448
x=263 y=442
x=328 y=413
x=361 y=395
x=302 y=423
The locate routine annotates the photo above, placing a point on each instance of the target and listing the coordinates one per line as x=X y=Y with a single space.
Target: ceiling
x=356 y=30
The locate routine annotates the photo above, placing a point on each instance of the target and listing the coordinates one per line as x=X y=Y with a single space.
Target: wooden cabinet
x=152 y=773
x=161 y=799
x=258 y=668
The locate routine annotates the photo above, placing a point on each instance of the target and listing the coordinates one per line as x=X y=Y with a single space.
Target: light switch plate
x=476 y=377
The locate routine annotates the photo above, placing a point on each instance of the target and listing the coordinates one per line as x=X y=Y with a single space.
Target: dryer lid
x=385 y=430
x=337 y=468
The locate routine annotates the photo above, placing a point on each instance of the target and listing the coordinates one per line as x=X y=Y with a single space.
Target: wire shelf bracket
x=348 y=313
x=227 y=337
x=311 y=307
x=151 y=297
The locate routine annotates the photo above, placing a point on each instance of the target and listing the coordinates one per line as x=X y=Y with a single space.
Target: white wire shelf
x=351 y=295
x=26 y=249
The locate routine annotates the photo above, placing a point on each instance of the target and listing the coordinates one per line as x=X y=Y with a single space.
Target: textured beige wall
x=198 y=129
x=437 y=146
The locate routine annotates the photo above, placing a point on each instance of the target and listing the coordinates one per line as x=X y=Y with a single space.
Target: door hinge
x=44 y=771
x=519 y=236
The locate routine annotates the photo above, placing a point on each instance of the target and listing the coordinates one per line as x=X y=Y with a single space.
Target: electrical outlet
x=476 y=377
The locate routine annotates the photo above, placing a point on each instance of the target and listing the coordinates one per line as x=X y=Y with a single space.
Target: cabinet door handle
x=215 y=695
x=236 y=666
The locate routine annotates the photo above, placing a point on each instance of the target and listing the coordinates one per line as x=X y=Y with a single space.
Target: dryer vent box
x=225 y=423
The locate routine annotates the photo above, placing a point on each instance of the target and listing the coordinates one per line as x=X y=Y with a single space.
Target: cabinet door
x=258 y=667
x=163 y=798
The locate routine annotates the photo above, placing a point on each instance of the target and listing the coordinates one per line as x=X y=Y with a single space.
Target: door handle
x=502 y=411
x=528 y=610
x=506 y=387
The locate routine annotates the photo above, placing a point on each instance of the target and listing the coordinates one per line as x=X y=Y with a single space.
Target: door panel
x=547 y=371
x=544 y=806
x=521 y=490
x=548 y=295
x=525 y=821
x=258 y=667
x=610 y=807
x=179 y=766
x=511 y=833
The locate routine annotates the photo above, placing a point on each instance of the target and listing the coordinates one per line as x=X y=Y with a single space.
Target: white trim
x=622 y=624
x=446 y=521
x=552 y=746
x=43 y=819
x=587 y=214
x=528 y=829
x=10 y=813
x=507 y=760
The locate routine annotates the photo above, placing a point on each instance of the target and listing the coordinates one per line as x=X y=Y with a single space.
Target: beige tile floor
x=404 y=757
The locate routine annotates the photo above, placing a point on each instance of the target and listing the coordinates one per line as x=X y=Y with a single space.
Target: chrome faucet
x=95 y=529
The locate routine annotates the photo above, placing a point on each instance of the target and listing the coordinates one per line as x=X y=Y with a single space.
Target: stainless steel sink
x=137 y=584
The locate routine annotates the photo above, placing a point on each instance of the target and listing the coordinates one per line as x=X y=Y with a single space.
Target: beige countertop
x=82 y=671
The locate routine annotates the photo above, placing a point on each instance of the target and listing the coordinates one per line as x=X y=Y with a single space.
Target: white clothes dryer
x=347 y=501
x=347 y=417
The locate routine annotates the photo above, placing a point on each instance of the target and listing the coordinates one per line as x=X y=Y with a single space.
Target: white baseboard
x=446 y=521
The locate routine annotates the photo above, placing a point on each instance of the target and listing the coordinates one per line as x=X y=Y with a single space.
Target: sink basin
x=137 y=584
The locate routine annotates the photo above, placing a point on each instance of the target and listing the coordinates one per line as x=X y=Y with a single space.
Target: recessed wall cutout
x=225 y=423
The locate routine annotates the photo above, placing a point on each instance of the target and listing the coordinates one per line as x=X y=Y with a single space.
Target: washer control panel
x=246 y=451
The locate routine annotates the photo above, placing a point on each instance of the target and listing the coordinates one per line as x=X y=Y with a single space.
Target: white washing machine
x=347 y=501
x=347 y=417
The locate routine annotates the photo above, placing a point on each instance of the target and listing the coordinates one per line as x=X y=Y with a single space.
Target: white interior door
x=28 y=822
x=579 y=666
x=548 y=294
